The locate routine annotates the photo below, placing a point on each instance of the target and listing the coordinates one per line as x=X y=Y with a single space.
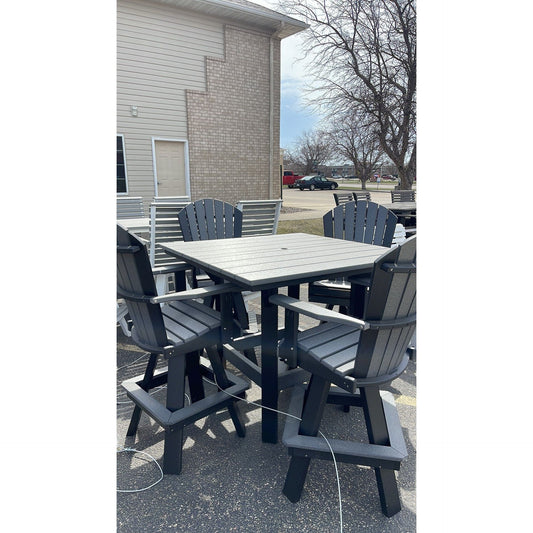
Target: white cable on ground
x=297 y=418
x=250 y=403
x=155 y=390
x=129 y=364
x=144 y=453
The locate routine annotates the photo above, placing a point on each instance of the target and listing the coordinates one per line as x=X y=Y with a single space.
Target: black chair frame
x=179 y=330
x=350 y=360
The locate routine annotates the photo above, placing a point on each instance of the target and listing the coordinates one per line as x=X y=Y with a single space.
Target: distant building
x=198 y=101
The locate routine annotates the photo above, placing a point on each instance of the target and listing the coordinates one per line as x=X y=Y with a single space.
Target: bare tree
x=353 y=140
x=365 y=59
x=312 y=149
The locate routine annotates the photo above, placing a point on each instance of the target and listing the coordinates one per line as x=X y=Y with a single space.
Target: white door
x=170 y=168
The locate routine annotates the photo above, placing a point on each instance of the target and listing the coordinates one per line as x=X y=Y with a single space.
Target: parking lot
x=313 y=204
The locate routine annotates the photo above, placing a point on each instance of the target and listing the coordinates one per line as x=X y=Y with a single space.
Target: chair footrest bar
x=242 y=363
x=338 y=396
x=345 y=451
x=252 y=340
x=287 y=377
x=190 y=413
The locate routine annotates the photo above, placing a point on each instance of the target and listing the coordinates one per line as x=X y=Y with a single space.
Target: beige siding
x=160 y=53
x=230 y=119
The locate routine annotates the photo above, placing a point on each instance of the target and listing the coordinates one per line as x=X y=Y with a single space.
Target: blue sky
x=295 y=117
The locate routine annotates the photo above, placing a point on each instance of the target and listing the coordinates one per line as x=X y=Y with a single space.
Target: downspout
x=271 y=111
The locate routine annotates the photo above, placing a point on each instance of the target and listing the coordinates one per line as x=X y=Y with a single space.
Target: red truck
x=289 y=177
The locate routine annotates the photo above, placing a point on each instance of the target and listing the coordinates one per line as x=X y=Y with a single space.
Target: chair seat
x=329 y=349
x=359 y=358
x=336 y=283
x=341 y=283
x=335 y=291
x=187 y=320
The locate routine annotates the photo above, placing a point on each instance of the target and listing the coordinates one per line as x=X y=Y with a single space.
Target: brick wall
x=233 y=155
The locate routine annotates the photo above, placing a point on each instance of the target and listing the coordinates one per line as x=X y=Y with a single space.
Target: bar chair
x=361 y=221
x=179 y=327
x=403 y=196
x=350 y=360
x=208 y=219
x=361 y=195
x=342 y=198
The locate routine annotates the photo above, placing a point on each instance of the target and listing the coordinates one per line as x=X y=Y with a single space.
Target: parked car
x=289 y=178
x=315 y=182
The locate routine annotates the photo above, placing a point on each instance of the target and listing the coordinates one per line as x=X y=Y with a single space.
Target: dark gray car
x=315 y=182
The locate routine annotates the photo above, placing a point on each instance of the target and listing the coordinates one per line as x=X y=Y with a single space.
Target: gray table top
x=135 y=224
x=276 y=260
x=401 y=206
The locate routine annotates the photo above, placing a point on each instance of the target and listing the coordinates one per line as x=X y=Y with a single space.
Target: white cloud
x=296 y=115
x=294 y=65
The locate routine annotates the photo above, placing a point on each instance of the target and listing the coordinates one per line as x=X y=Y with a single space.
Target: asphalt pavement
x=307 y=204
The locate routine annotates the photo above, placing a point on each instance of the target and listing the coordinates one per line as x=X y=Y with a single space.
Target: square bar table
x=135 y=225
x=401 y=208
x=266 y=263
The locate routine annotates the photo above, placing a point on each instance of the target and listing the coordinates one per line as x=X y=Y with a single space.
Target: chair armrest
x=315 y=311
x=169 y=269
x=144 y=241
x=192 y=294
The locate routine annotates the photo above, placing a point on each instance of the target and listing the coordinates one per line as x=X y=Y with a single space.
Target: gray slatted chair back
x=342 y=197
x=180 y=329
x=361 y=195
x=181 y=324
x=361 y=221
x=129 y=207
x=391 y=309
x=210 y=219
x=359 y=359
x=135 y=283
x=402 y=196
x=164 y=227
x=259 y=217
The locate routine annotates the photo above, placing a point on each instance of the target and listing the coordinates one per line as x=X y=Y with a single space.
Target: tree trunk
x=406 y=181
x=407 y=173
x=364 y=176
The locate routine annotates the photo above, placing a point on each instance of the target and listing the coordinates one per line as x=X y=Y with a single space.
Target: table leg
x=269 y=367
x=287 y=348
x=226 y=310
x=357 y=300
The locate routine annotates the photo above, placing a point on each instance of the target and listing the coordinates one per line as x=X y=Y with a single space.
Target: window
x=121 y=166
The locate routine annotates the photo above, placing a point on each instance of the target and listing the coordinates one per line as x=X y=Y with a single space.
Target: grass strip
x=311 y=225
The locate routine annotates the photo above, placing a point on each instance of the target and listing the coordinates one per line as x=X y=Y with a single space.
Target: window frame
x=125 y=193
